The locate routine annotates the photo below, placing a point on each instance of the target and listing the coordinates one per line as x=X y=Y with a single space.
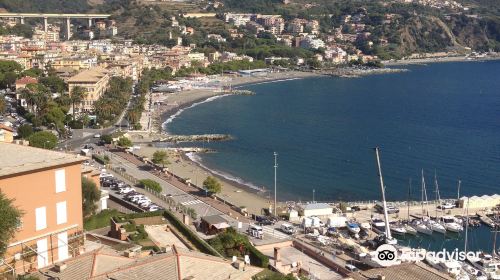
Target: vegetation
x=124 y=142
x=160 y=157
x=11 y=217
x=43 y=139
x=150 y=184
x=90 y=196
x=113 y=101
x=107 y=138
x=100 y=159
x=9 y=71
x=99 y=220
x=211 y=184
x=199 y=243
x=24 y=131
x=231 y=243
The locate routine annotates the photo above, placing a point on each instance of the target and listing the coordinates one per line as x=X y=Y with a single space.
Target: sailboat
x=421 y=225
x=406 y=224
x=435 y=225
x=388 y=238
x=473 y=272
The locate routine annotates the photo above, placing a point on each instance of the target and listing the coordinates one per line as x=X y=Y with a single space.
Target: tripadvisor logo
x=388 y=255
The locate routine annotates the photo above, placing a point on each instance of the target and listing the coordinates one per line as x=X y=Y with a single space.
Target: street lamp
x=275 y=170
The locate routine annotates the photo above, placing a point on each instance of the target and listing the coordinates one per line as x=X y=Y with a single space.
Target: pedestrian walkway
x=191 y=202
x=276 y=233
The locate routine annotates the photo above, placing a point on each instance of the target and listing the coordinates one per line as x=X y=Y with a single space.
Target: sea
x=442 y=119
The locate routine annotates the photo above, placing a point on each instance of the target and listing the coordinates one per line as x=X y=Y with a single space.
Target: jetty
x=193 y=138
x=241 y=92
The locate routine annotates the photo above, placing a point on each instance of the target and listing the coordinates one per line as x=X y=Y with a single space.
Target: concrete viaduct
x=45 y=17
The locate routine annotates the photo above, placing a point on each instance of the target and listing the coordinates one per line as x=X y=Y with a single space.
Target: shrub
x=124 y=142
x=190 y=235
x=150 y=184
x=43 y=139
x=100 y=159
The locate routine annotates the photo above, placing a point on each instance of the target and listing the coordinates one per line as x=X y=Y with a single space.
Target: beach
x=438 y=60
x=169 y=105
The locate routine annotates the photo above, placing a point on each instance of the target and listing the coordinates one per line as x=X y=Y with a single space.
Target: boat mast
x=384 y=203
x=408 y=201
x=466 y=225
x=458 y=189
x=438 y=197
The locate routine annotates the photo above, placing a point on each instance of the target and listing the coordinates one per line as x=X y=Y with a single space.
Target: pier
x=194 y=138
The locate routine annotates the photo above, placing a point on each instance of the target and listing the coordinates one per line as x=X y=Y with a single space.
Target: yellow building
x=94 y=81
x=6 y=134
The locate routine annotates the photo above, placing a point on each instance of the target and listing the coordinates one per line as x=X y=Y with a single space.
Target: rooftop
x=312 y=206
x=214 y=219
x=89 y=75
x=175 y=264
x=18 y=158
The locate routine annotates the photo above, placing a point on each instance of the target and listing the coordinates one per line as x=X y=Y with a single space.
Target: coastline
x=234 y=189
x=423 y=61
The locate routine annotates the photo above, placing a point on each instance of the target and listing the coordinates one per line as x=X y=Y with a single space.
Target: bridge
x=45 y=17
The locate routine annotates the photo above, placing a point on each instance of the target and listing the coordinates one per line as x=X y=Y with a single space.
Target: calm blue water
x=443 y=117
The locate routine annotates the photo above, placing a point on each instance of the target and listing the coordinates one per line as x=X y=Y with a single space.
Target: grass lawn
x=99 y=220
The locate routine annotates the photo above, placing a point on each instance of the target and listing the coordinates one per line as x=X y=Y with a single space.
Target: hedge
x=150 y=184
x=256 y=257
x=100 y=159
x=199 y=243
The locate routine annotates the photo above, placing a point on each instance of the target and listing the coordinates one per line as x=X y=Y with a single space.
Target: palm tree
x=77 y=95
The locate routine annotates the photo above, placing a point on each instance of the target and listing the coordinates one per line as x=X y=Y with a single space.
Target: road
x=86 y=135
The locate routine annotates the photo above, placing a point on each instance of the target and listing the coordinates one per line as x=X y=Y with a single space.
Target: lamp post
x=275 y=170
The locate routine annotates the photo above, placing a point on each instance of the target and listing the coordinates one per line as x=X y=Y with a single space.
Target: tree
x=124 y=142
x=160 y=157
x=33 y=72
x=9 y=222
x=212 y=185
x=43 y=139
x=54 y=83
x=24 y=131
x=106 y=138
x=3 y=105
x=150 y=184
x=90 y=195
x=77 y=96
x=56 y=117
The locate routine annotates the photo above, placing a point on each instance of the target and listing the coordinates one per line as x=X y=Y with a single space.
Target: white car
x=154 y=208
x=447 y=205
x=126 y=190
x=141 y=201
x=136 y=198
x=97 y=135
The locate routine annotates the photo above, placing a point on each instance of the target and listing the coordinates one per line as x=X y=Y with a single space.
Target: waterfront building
x=95 y=81
x=46 y=186
x=316 y=209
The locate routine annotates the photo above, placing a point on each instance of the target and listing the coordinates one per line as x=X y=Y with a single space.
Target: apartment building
x=46 y=186
x=95 y=81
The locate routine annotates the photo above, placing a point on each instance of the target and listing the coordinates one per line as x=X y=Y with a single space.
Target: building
x=46 y=186
x=316 y=209
x=94 y=81
x=213 y=224
x=6 y=134
x=174 y=264
x=24 y=81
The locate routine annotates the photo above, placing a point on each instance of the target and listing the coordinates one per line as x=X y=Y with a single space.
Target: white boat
x=409 y=229
x=435 y=226
x=421 y=227
x=397 y=229
x=353 y=227
x=365 y=226
x=474 y=273
x=450 y=224
x=488 y=265
x=450 y=267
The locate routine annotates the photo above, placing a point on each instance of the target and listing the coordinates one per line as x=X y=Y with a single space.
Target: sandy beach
x=181 y=165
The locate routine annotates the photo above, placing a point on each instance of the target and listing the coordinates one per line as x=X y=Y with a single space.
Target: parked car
x=287 y=228
x=446 y=205
x=390 y=208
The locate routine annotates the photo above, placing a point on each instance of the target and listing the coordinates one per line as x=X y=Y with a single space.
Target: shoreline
x=423 y=61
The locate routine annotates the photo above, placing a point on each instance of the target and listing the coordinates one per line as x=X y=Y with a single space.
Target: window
x=41 y=218
x=62 y=246
x=60 y=181
x=62 y=216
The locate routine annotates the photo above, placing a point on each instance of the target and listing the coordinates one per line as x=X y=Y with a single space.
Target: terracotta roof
x=89 y=75
x=26 y=80
x=175 y=264
x=4 y=127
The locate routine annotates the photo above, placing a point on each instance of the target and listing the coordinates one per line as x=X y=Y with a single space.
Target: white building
x=316 y=209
